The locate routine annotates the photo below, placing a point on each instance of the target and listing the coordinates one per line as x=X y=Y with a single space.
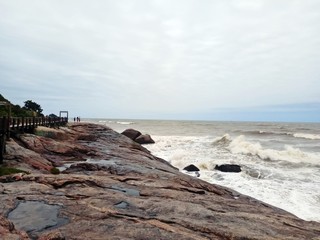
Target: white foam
x=307 y=136
x=288 y=195
x=125 y=123
x=293 y=189
x=222 y=141
x=289 y=153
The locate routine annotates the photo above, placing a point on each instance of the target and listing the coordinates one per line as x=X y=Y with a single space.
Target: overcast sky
x=164 y=59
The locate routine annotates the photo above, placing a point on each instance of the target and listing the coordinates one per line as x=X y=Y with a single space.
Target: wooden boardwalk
x=16 y=125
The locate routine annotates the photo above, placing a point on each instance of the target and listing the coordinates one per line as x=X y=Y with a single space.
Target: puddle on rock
x=36 y=216
x=122 y=205
x=128 y=191
x=102 y=162
x=105 y=163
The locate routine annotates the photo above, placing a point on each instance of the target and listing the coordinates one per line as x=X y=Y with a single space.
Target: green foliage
x=2 y=98
x=55 y=170
x=3 y=109
x=33 y=106
x=8 y=171
x=17 y=111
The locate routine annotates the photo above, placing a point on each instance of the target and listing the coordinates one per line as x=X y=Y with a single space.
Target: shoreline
x=123 y=191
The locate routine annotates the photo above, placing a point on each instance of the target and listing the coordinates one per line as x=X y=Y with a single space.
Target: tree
x=33 y=106
x=4 y=107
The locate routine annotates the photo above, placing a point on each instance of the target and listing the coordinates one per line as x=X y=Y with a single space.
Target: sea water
x=280 y=161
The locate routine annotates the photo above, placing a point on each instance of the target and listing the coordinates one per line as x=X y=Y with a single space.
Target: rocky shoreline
x=113 y=188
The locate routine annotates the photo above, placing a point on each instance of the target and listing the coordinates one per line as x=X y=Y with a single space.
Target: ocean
x=280 y=161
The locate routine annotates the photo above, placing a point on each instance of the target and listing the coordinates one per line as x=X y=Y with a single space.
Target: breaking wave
x=125 y=123
x=307 y=136
x=296 y=135
x=290 y=154
x=223 y=141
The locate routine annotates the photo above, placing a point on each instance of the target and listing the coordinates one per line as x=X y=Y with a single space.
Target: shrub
x=55 y=170
x=8 y=171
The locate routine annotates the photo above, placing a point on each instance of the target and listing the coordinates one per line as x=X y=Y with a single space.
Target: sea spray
x=280 y=161
x=290 y=154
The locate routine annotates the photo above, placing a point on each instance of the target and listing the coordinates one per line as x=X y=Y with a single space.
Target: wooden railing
x=24 y=124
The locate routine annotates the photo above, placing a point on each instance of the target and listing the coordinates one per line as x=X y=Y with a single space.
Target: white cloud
x=159 y=57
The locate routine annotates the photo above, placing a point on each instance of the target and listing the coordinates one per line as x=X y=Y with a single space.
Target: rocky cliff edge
x=110 y=187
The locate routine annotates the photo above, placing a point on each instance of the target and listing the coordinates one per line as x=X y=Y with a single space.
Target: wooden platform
x=16 y=125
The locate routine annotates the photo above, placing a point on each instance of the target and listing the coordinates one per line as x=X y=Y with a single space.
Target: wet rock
x=122 y=205
x=144 y=139
x=56 y=235
x=8 y=230
x=131 y=133
x=123 y=190
x=191 y=168
x=128 y=191
x=228 y=168
x=35 y=216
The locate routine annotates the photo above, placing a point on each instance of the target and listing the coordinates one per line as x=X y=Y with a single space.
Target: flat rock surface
x=113 y=188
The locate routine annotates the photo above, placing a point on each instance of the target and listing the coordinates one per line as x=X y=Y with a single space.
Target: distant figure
x=74 y=119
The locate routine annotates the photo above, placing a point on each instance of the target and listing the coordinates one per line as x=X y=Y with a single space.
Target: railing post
x=2 y=138
x=3 y=126
x=22 y=124
x=18 y=123
x=8 y=128
x=2 y=147
x=13 y=123
x=29 y=123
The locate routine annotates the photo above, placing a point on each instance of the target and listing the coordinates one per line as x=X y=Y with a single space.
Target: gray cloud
x=159 y=58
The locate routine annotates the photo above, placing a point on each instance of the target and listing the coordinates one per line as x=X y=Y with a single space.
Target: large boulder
x=228 y=168
x=144 y=139
x=131 y=133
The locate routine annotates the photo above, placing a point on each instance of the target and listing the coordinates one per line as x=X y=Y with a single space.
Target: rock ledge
x=116 y=189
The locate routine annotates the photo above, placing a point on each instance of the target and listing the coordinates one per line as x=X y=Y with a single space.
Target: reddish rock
x=131 y=133
x=26 y=159
x=144 y=139
x=122 y=191
x=8 y=231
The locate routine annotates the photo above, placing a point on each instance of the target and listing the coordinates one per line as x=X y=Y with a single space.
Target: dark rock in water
x=191 y=168
x=144 y=139
x=228 y=168
x=131 y=133
x=136 y=136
